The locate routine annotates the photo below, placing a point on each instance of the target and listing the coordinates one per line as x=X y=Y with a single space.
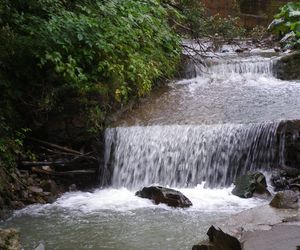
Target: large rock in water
x=287 y=67
x=251 y=184
x=218 y=240
x=164 y=195
x=9 y=239
x=285 y=199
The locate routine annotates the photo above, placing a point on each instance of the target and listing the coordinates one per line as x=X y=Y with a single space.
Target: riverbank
x=264 y=227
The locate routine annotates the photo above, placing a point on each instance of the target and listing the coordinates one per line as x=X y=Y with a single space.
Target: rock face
x=287 y=68
x=9 y=239
x=251 y=184
x=164 y=195
x=286 y=179
x=218 y=240
x=264 y=228
x=289 y=131
x=285 y=199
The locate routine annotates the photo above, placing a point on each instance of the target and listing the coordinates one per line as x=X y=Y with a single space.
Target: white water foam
x=124 y=200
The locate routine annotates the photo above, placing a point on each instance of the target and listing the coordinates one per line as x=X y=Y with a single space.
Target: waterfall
x=186 y=155
x=222 y=67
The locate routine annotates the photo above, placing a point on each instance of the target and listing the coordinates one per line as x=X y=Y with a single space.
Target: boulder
x=251 y=184
x=287 y=67
x=279 y=180
x=218 y=240
x=171 y=197
x=50 y=186
x=285 y=199
x=35 y=189
x=286 y=178
x=9 y=239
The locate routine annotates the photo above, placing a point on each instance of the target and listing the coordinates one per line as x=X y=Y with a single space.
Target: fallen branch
x=66 y=173
x=42 y=163
x=52 y=145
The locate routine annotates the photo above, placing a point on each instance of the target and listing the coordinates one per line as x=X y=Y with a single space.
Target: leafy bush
x=103 y=52
x=287 y=25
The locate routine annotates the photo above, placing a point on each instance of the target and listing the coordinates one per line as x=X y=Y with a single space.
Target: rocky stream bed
x=196 y=135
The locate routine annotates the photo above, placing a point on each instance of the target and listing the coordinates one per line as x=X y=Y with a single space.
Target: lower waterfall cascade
x=184 y=156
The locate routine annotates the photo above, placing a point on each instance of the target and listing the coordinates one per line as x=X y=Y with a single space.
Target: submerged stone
x=285 y=199
x=171 y=197
x=251 y=184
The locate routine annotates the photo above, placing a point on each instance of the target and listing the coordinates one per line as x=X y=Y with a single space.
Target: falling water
x=219 y=123
x=225 y=67
x=184 y=155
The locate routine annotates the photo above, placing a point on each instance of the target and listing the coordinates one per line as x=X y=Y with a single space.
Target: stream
x=195 y=135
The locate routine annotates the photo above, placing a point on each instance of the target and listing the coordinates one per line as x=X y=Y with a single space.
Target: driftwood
x=65 y=173
x=61 y=163
x=42 y=163
x=55 y=146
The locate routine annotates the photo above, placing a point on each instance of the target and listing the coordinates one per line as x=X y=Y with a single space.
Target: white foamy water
x=124 y=200
x=214 y=126
x=117 y=219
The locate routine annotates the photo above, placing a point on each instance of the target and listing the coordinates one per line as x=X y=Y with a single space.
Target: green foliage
x=287 y=25
x=11 y=143
x=203 y=25
x=103 y=53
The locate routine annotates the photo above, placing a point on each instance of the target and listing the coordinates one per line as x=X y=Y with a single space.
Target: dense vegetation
x=100 y=53
x=83 y=59
x=201 y=25
x=287 y=25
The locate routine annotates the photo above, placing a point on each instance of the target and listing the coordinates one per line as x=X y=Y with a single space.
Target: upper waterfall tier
x=229 y=66
x=228 y=90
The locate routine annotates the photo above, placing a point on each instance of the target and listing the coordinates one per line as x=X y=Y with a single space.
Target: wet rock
x=35 y=189
x=171 y=197
x=279 y=237
x=17 y=204
x=72 y=188
x=50 y=186
x=41 y=246
x=251 y=184
x=287 y=67
x=286 y=179
x=240 y=50
x=218 y=240
x=289 y=131
x=285 y=199
x=47 y=168
x=9 y=239
x=24 y=194
x=279 y=180
x=277 y=49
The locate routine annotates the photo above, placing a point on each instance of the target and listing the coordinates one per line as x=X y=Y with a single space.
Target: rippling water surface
x=117 y=219
x=211 y=127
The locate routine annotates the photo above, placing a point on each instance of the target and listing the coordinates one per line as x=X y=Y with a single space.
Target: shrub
x=287 y=25
x=104 y=52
